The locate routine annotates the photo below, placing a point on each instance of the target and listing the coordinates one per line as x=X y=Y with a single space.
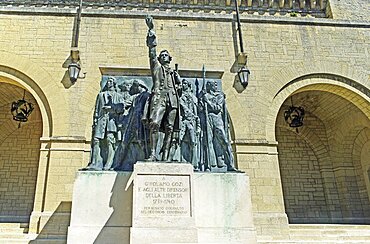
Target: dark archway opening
x=322 y=164
x=19 y=156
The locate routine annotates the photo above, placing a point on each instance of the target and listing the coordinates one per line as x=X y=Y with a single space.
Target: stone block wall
x=303 y=189
x=357 y=10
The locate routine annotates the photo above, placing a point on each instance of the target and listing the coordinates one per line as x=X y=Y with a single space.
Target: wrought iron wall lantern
x=74 y=66
x=243 y=72
x=294 y=116
x=21 y=110
x=243 y=75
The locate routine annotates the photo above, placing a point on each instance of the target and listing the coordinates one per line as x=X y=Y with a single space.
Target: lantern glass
x=243 y=75
x=74 y=71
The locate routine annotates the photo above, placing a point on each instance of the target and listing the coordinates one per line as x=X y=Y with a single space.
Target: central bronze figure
x=163 y=108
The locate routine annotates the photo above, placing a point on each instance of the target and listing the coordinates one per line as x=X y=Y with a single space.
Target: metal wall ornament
x=243 y=75
x=294 y=116
x=74 y=67
x=243 y=72
x=21 y=110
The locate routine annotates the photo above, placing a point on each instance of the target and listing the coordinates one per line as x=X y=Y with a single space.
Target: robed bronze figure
x=109 y=104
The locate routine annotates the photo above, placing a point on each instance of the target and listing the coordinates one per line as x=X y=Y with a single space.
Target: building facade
x=308 y=53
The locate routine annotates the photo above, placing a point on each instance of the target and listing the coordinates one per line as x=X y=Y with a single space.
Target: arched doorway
x=323 y=164
x=19 y=155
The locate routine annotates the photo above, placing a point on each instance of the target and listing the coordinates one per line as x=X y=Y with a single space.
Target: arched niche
x=317 y=161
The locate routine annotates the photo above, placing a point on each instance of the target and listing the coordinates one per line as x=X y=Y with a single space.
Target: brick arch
x=317 y=82
x=22 y=72
x=285 y=75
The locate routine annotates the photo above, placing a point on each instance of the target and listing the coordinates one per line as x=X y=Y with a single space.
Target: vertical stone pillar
x=40 y=188
x=320 y=4
x=313 y=4
x=290 y=3
x=281 y=3
x=259 y=159
x=270 y=3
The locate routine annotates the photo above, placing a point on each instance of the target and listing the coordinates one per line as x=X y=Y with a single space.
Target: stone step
x=330 y=232
x=19 y=236
x=312 y=242
x=323 y=234
x=13 y=230
x=48 y=241
x=331 y=239
x=15 y=241
x=328 y=226
x=13 y=225
x=32 y=241
x=19 y=228
x=357 y=238
x=29 y=238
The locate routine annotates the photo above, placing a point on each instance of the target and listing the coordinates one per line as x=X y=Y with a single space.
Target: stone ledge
x=271 y=7
x=197 y=16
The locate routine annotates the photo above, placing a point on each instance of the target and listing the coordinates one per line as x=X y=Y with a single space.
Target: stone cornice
x=271 y=7
x=198 y=16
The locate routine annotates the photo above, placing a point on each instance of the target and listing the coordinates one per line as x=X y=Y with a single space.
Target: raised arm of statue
x=151 y=39
x=149 y=22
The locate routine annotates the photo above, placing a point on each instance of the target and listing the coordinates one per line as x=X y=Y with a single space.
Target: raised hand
x=149 y=22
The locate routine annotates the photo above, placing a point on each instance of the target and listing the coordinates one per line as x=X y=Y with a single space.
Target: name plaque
x=163 y=195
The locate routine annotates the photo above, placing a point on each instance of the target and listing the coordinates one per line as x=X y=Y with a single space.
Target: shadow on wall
x=55 y=229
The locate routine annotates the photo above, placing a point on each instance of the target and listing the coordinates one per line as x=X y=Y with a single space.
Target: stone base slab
x=227 y=235
x=98 y=234
x=163 y=235
x=103 y=211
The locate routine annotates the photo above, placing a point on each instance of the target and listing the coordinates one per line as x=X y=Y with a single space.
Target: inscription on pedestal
x=163 y=195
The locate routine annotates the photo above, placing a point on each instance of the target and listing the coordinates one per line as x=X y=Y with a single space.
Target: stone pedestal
x=163 y=203
x=101 y=208
x=223 y=206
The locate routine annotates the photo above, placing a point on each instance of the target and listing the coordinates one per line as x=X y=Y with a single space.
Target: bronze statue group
x=170 y=123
